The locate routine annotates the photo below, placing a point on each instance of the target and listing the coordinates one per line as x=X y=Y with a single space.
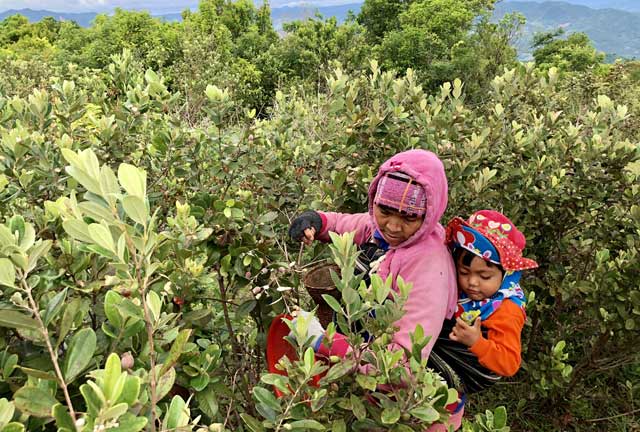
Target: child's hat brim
x=511 y=258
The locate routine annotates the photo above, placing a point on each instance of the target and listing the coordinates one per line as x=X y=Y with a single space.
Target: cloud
x=154 y=6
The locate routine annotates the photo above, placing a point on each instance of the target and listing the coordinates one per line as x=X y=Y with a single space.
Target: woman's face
x=394 y=226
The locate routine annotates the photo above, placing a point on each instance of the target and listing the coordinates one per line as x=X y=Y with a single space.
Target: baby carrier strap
x=370 y=253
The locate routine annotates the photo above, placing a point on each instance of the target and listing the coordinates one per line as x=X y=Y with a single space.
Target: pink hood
x=425 y=167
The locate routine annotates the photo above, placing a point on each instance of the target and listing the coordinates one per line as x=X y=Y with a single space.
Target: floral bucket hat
x=493 y=237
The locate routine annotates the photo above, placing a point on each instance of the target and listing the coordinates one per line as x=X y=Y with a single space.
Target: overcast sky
x=154 y=6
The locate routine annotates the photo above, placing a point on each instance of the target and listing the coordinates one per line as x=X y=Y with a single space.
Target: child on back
x=487 y=251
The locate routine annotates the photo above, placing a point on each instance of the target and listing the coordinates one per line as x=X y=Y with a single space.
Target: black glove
x=308 y=219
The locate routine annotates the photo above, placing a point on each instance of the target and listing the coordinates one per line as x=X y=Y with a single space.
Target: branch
x=52 y=353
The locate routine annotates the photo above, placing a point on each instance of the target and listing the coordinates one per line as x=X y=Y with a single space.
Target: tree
x=154 y=42
x=573 y=54
x=13 y=29
x=304 y=54
x=381 y=16
x=486 y=53
x=427 y=32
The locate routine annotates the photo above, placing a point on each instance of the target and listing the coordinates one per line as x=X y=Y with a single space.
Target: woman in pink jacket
x=406 y=201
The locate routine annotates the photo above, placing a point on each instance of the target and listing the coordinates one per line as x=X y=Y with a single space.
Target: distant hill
x=284 y=14
x=625 y=5
x=83 y=19
x=280 y=15
x=612 y=31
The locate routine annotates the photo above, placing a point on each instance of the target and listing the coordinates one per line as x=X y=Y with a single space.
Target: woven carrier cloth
x=458 y=365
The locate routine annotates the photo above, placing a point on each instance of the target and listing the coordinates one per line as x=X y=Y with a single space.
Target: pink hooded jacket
x=423 y=259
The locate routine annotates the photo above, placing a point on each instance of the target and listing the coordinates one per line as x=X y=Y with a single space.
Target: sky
x=154 y=6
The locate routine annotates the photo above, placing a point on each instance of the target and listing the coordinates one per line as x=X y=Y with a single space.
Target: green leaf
x=78 y=230
x=6 y=411
x=16 y=224
x=101 y=235
x=307 y=425
x=390 y=415
x=281 y=382
x=115 y=411
x=245 y=308
x=130 y=391
x=20 y=260
x=358 y=407
x=452 y=396
x=9 y=366
x=90 y=183
x=17 y=320
x=500 y=417
x=69 y=315
x=332 y=302
x=367 y=382
x=155 y=304
x=113 y=378
x=339 y=426
x=136 y=209
x=63 y=418
x=81 y=350
x=34 y=401
x=268 y=217
x=425 y=413
x=176 y=350
x=164 y=382
x=37 y=373
x=178 y=414
x=97 y=211
x=133 y=180
x=267 y=399
x=129 y=423
x=207 y=402
x=309 y=360
x=108 y=182
x=252 y=423
x=54 y=307
x=93 y=397
x=40 y=249
x=112 y=301
x=338 y=371
x=13 y=427
x=7 y=272
x=6 y=236
x=28 y=238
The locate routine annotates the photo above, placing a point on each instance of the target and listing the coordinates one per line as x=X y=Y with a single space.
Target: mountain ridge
x=541 y=16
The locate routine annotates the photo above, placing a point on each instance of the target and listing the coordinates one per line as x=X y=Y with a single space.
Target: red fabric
x=340 y=347
x=500 y=352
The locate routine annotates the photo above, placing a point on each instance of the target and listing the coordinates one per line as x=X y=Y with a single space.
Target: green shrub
x=132 y=228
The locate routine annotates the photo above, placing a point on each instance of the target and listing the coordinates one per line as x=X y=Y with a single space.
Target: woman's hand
x=465 y=333
x=305 y=227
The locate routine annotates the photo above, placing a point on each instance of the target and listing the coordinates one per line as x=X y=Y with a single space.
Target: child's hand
x=465 y=333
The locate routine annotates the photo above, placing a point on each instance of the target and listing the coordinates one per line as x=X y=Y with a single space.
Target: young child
x=487 y=251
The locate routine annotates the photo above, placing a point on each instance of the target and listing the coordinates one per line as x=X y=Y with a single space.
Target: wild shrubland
x=144 y=216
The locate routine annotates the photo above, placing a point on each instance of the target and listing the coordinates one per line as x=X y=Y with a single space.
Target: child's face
x=479 y=280
x=396 y=227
